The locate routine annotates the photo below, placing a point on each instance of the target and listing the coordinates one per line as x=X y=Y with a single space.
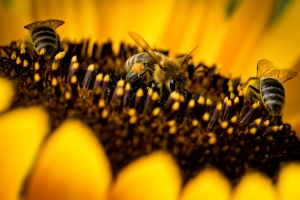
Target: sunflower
x=72 y=128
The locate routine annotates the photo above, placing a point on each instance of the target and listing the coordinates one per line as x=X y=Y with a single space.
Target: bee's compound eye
x=172 y=84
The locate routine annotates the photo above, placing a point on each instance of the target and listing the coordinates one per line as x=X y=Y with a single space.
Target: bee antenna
x=187 y=56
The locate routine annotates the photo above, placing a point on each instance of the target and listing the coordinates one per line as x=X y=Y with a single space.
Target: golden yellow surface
x=254 y=186
x=288 y=182
x=155 y=176
x=71 y=165
x=21 y=135
x=209 y=184
x=7 y=92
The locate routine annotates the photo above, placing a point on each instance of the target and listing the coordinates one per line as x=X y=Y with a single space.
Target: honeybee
x=267 y=86
x=44 y=36
x=162 y=69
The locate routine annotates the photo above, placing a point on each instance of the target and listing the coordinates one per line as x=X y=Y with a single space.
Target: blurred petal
x=72 y=165
x=254 y=186
x=246 y=27
x=205 y=27
x=209 y=184
x=280 y=43
x=151 y=177
x=22 y=132
x=14 y=16
x=288 y=182
x=7 y=93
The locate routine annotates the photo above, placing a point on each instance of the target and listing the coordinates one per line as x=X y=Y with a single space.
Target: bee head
x=178 y=82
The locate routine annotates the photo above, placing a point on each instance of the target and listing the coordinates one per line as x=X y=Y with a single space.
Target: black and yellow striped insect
x=163 y=70
x=267 y=86
x=44 y=36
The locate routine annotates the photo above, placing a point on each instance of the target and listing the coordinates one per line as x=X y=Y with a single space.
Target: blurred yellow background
x=234 y=34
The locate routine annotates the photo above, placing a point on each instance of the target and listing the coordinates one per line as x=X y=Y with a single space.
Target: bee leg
x=132 y=77
x=253 y=94
x=145 y=74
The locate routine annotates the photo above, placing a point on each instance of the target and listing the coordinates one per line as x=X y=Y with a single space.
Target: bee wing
x=32 y=25
x=286 y=74
x=52 y=22
x=142 y=43
x=55 y=22
x=264 y=67
x=182 y=59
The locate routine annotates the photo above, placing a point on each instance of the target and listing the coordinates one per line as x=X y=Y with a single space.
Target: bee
x=163 y=70
x=267 y=86
x=44 y=36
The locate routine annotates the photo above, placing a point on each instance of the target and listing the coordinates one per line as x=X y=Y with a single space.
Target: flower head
x=207 y=125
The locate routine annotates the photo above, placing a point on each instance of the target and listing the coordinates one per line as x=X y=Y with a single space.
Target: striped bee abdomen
x=44 y=36
x=273 y=95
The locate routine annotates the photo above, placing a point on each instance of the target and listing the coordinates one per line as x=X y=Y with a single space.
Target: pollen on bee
x=137 y=67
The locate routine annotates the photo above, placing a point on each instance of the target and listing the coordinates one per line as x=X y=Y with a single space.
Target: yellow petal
x=254 y=186
x=151 y=177
x=72 y=165
x=246 y=27
x=209 y=184
x=21 y=134
x=16 y=15
x=7 y=93
x=288 y=182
